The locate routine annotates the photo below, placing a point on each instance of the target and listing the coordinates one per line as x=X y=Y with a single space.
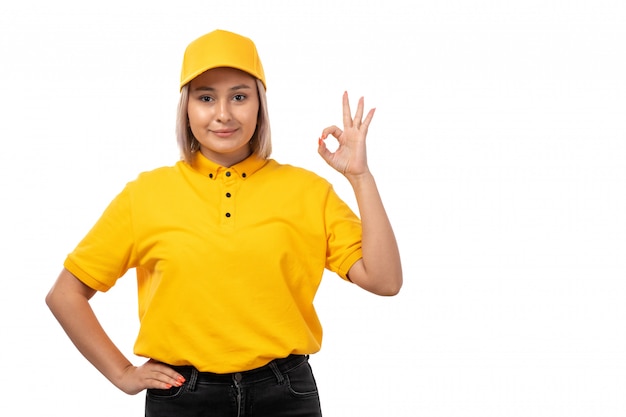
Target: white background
x=499 y=146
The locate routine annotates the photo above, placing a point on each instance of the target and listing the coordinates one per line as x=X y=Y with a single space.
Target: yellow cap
x=221 y=48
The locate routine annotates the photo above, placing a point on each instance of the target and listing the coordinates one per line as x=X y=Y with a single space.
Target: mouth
x=224 y=133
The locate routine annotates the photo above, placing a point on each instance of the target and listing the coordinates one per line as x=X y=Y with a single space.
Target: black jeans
x=283 y=388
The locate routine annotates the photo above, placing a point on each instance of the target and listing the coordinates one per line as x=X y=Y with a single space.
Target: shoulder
x=161 y=182
x=160 y=175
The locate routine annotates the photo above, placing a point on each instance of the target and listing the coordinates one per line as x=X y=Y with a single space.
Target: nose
x=223 y=111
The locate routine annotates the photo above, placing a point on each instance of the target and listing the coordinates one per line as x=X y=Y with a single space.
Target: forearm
x=381 y=266
x=73 y=311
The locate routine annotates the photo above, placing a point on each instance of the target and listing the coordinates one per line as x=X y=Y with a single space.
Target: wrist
x=360 y=178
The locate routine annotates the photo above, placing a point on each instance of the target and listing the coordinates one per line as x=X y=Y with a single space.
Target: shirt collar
x=243 y=169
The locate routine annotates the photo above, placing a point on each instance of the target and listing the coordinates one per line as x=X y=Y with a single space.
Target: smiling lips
x=224 y=133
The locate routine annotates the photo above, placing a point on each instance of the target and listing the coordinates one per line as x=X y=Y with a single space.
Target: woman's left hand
x=350 y=156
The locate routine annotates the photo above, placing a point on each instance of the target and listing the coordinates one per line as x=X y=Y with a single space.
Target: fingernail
x=168 y=386
x=180 y=379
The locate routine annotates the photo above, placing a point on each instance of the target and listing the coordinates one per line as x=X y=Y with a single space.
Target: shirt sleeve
x=344 y=233
x=107 y=251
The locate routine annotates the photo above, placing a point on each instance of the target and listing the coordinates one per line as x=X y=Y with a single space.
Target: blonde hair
x=261 y=141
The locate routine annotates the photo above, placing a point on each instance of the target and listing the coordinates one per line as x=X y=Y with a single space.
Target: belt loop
x=191 y=384
x=279 y=375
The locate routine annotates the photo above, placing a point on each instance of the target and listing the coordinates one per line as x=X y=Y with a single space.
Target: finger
x=159 y=384
x=321 y=148
x=368 y=118
x=359 y=113
x=347 y=114
x=324 y=152
x=332 y=130
x=163 y=374
x=163 y=381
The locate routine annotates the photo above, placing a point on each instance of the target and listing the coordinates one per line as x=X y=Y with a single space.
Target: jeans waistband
x=274 y=369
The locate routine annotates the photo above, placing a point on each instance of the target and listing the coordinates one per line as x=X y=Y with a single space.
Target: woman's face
x=223 y=110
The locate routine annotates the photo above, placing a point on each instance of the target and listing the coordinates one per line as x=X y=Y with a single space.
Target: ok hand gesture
x=350 y=157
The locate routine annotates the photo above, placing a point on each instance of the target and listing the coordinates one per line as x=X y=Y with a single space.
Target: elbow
x=391 y=291
x=395 y=282
x=385 y=281
x=51 y=300
x=55 y=299
x=394 y=291
x=390 y=288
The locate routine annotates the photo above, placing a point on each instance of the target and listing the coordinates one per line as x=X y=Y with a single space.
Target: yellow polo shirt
x=228 y=260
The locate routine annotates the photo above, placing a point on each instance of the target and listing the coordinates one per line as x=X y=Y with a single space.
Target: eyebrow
x=234 y=88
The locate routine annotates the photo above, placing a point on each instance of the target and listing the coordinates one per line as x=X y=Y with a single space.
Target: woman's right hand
x=151 y=374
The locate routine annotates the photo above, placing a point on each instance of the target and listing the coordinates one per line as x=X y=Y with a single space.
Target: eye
x=205 y=98
x=239 y=97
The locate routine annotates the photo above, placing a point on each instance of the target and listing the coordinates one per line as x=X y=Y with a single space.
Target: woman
x=229 y=248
